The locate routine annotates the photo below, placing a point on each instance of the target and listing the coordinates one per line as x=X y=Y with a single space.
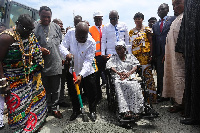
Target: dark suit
x=159 y=41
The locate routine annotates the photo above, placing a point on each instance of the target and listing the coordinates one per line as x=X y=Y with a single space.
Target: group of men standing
x=170 y=50
x=93 y=46
x=87 y=46
x=96 y=44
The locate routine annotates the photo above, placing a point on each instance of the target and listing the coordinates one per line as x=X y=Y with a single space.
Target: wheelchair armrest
x=139 y=70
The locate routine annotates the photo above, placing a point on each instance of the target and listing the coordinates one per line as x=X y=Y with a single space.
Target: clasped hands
x=124 y=75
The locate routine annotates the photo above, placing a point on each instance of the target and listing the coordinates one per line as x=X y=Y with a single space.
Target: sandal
x=174 y=109
x=128 y=115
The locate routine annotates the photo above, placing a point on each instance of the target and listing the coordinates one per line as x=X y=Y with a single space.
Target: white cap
x=97 y=13
x=120 y=43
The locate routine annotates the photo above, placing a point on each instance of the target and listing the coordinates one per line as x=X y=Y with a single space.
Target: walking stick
x=85 y=118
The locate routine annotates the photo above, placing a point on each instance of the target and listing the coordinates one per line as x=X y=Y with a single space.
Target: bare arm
x=5 y=41
x=149 y=36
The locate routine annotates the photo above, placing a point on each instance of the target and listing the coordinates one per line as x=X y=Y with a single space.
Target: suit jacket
x=159 y=38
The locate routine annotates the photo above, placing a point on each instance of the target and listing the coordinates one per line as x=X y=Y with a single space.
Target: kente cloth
x=189 y=45
x=140 y=44
x=174 y=66
x=129 y=93
x=22 y=68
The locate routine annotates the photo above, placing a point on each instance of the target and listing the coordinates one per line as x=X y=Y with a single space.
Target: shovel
x=85 y=118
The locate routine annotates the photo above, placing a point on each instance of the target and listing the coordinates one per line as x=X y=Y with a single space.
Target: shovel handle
x=74 y=76
x=76 y=85
x=77 y=89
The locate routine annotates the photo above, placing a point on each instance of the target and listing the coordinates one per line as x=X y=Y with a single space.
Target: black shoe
x=93 y=116
x=189 y=121
x=64 y=104
x=74 y=115
x=161 y=99
x=49 y=110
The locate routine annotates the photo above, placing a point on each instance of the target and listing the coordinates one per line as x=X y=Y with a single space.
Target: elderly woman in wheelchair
x=128 y=91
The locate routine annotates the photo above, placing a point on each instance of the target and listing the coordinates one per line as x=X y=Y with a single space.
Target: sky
x=64 y=9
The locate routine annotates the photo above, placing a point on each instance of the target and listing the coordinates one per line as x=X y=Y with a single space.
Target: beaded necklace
x=24 y=55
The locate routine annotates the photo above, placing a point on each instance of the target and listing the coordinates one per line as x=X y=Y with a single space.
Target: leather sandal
x=174 y=109
x=128 y=115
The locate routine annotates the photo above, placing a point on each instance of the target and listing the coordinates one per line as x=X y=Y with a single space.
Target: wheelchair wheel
x=110 y=91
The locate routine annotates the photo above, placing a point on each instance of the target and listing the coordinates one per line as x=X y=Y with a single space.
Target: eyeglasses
x=98 y=19
x=113 y=18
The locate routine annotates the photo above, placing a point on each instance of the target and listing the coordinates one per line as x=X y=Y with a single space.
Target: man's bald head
x=113 y=16
x=77 y=19
x=81 y=32
x=113 y=12
x=59 y=22
x=163 y=10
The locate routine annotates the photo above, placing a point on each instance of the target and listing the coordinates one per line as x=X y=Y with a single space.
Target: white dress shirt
x=83 y=53
x=109 y=37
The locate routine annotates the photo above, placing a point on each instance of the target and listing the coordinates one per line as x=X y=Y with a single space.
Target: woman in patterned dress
x=141 y=41
x=20 y=70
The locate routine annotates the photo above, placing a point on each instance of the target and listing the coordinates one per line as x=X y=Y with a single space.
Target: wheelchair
x=148 y=112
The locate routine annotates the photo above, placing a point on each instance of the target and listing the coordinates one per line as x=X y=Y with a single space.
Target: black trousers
x=160 y=73
x=101 y=64
x=89 y=86
x=52 y=85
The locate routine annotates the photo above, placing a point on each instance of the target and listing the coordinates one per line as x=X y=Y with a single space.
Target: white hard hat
x=120 y=43
x=97 y=13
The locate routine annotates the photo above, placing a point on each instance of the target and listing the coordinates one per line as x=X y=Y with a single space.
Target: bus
x=11 y=10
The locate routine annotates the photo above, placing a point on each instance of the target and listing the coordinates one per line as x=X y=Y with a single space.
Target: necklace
x=46 y=33
x=29 y=53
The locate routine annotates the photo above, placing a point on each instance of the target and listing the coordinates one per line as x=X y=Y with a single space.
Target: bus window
x=15 y=12
x=37 y=17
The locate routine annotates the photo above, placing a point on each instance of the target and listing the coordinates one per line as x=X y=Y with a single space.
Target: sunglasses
x=113 y=18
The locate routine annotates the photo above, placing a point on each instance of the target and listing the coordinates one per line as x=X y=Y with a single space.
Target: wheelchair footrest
x=128 y=120
x=149 y=116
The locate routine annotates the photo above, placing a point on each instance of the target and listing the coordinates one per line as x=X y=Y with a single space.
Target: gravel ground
x=107 y=123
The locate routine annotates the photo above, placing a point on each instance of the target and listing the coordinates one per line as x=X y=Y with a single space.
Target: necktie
x=161 y=25
x=100 y=32
x=117 y=33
